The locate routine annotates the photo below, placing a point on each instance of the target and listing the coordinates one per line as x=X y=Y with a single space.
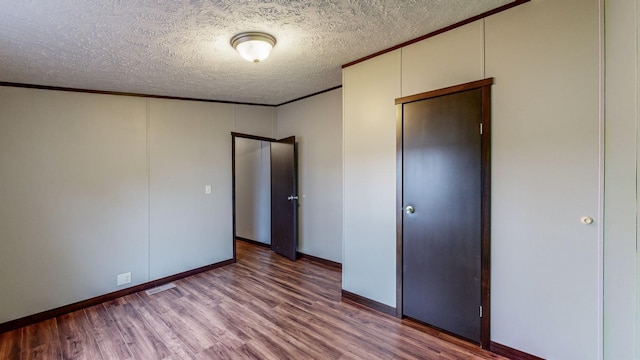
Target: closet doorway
x=265 y=199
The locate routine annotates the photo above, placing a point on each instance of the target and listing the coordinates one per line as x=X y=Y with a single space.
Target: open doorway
x=253 y=190
x=265 y=195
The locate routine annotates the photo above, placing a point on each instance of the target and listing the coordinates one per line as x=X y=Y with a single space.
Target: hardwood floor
x=262 y=307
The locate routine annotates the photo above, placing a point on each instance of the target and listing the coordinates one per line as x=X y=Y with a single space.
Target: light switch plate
x=207 y=189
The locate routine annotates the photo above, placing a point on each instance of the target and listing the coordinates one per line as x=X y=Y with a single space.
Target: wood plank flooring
x=262 y=307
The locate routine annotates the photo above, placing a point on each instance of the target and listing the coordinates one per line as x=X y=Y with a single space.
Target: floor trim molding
x=253 y=242
x=329 y=263
x=496 y=348
x=49 y=314
x=366 y=302
x=511 y=353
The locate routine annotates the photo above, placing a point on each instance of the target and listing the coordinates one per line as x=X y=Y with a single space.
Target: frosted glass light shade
x=253 y=46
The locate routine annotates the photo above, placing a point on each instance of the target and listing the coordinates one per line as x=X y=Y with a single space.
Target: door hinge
x=480 y=128
x=480 y=310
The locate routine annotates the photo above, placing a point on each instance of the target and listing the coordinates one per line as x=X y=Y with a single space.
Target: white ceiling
x=181 y=48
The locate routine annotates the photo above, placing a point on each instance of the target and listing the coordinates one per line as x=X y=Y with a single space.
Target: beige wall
x=546 y=160
x=621 y=181
x=369 y=133
x=189 y=145
x=97 y=185
x=73 y=197
x=317 y=124
x=546 y=138
x=254 y=120
x=454 y=57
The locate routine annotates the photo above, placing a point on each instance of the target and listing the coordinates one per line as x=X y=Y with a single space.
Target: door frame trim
x=485 y=153
x=234 y=135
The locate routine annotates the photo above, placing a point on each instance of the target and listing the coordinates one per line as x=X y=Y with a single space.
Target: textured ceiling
x=181 y=48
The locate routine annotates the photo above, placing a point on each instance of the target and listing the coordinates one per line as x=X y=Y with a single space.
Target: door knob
x=291 y=197
x=409 y=209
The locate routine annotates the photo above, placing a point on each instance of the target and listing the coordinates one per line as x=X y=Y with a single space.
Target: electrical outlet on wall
x=124 y=278
x=207 y=189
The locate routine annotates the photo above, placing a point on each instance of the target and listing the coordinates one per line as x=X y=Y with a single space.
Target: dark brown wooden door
x=442 y=231
x=284 y=198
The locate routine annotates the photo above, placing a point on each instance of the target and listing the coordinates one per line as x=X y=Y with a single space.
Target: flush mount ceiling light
x=253 y=46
